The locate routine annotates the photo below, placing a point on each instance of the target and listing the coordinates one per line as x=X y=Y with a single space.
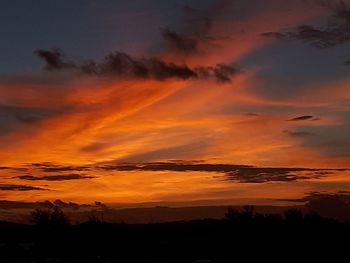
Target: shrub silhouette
x=244 y=232
x=95 y=217
x=246 y=215
x=232 y=214
x=49 y=218
x=294 y=215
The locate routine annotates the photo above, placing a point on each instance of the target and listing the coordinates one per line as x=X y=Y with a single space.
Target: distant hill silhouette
x=328 y=205
x=242 y=233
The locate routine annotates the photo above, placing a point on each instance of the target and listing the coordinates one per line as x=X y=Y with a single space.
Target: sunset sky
x=150 y=101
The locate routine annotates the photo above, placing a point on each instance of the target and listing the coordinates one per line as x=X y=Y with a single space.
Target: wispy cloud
x=53 y=167
x=334 y=33
x=61 y=177
x=299 y=133
x=179 y=95
x=196 y=33
x=15 y=187
x=237 y=173
x=302 y=118
x=119 y=64
x=328 y=204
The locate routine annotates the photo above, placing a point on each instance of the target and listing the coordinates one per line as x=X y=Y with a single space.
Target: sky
x=225 y=101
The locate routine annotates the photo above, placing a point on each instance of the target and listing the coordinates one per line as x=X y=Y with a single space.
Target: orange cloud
x=95 y=118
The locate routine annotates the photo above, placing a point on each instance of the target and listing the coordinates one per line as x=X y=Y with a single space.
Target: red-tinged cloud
x=302 y=118
x=226 y=31
x=189 y=100
x=119 y=64
x=335 y=32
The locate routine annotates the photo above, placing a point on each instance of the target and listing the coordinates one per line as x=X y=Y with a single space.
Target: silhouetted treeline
x=242 y=234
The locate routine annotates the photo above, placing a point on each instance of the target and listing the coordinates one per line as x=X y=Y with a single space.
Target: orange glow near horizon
x=89 y=120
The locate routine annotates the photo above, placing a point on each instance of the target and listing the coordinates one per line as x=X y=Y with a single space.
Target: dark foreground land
x=240 y=237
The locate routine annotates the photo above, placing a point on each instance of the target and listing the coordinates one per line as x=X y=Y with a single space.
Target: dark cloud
x=316 y=195
x=331 y=140
x=15 y=187
x=6 y=204
x=196 y=29
x=62 y=177
x=13 y=116
x=54 y=59
x=199 y=23
x=173 y=166
x=302 y=118
x=237 y=173
x=119 y=64
x=222 y=72
x=333 y=205
x=263 y=175
x=166 y=153
x=299 y=133
x=52 y=167
x=179 y=42
x=69 y=205
x=335 y=32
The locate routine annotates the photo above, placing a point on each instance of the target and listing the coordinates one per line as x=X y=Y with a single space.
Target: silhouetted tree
x=40 y=217
x=248 y=212
x=244 y=216
x=232 y=214
x=245 y=231
x=53 y=218
x=95 y=217
x=294 y=215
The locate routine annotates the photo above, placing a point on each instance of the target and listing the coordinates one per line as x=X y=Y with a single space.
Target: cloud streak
x=21 y=188
x=61 y=177
x=119 y=64
x=298 y=133
x=55 y=59
x=179 y=42
x=196 y=33
x=236 y=173
x=161 y=98
x=302 y=118
x=52 y=167
x=336 y=31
